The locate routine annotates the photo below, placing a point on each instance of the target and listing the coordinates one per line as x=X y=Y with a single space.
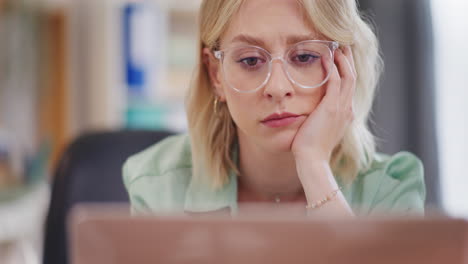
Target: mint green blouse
x=159 y=180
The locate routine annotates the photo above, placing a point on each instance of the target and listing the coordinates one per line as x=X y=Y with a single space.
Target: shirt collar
x=201 y=197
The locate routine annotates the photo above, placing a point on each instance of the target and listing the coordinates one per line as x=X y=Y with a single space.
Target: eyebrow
x=292 y=39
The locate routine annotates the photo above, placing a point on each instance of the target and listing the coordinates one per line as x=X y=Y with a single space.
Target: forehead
x=271 y=23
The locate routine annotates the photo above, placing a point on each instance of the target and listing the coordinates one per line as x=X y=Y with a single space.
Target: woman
x=277 y=113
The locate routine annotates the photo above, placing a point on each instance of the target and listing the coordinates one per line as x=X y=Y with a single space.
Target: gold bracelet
x=323 y=201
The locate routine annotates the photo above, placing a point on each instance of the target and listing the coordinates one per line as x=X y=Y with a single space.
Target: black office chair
x=89 y=171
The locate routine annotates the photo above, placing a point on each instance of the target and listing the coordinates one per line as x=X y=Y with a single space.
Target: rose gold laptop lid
x=101 y=235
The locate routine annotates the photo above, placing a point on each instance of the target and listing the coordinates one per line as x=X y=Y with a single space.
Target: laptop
x=103 y=234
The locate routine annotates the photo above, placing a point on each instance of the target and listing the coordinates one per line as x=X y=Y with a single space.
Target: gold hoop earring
x=215 y=106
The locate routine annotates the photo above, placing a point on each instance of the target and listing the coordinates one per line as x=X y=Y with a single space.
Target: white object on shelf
x=22 y=222
x=97 y=96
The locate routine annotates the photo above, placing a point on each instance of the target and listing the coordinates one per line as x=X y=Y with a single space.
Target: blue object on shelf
x=134 y=70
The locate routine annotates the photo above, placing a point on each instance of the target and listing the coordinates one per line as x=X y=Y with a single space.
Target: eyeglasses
x=307 y=64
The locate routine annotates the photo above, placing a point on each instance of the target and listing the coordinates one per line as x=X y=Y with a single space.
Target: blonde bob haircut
x=213 y=133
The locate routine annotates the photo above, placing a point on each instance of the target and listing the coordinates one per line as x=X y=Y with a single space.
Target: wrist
x=315 y=174
x=319 y=203
x=311 y=156
x=315 y=149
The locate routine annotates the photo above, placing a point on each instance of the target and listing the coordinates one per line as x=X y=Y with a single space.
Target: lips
x=276 y=116
x=279 y=120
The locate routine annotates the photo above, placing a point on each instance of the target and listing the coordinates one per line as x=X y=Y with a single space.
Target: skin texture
x=292 y=161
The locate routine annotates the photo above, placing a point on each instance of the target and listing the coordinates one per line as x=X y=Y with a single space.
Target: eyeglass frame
x=332 y=46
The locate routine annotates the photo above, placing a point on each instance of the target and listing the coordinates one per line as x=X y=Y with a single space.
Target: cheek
x=310 y=100
x=241 y=108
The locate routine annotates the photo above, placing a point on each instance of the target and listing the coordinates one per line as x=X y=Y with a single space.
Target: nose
x=278 y=86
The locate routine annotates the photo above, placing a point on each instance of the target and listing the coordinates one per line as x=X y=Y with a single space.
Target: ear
x=213 y=67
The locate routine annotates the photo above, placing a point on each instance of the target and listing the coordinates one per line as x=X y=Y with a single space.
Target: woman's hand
x=322 y=131
x=324 y=128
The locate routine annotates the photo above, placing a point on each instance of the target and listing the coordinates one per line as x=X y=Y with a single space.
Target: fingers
x=332 y=95
x=345 y=65
x=348 y=52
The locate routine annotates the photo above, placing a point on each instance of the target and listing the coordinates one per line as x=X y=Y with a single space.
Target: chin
x=281 y=142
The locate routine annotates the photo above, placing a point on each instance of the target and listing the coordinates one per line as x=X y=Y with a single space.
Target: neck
x=267 y=176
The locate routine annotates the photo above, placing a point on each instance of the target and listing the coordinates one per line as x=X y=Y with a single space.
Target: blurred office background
x=73 y=67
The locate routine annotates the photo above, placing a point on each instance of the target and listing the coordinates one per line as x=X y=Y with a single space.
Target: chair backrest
x=90 y=170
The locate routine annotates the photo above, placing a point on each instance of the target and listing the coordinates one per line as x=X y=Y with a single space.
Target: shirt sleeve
x=401 y=190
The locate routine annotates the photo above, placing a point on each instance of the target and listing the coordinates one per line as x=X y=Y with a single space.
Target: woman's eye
x=251 y=61
x=305 y=58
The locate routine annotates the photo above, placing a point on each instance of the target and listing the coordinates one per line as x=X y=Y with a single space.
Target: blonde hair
x=213 y=134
